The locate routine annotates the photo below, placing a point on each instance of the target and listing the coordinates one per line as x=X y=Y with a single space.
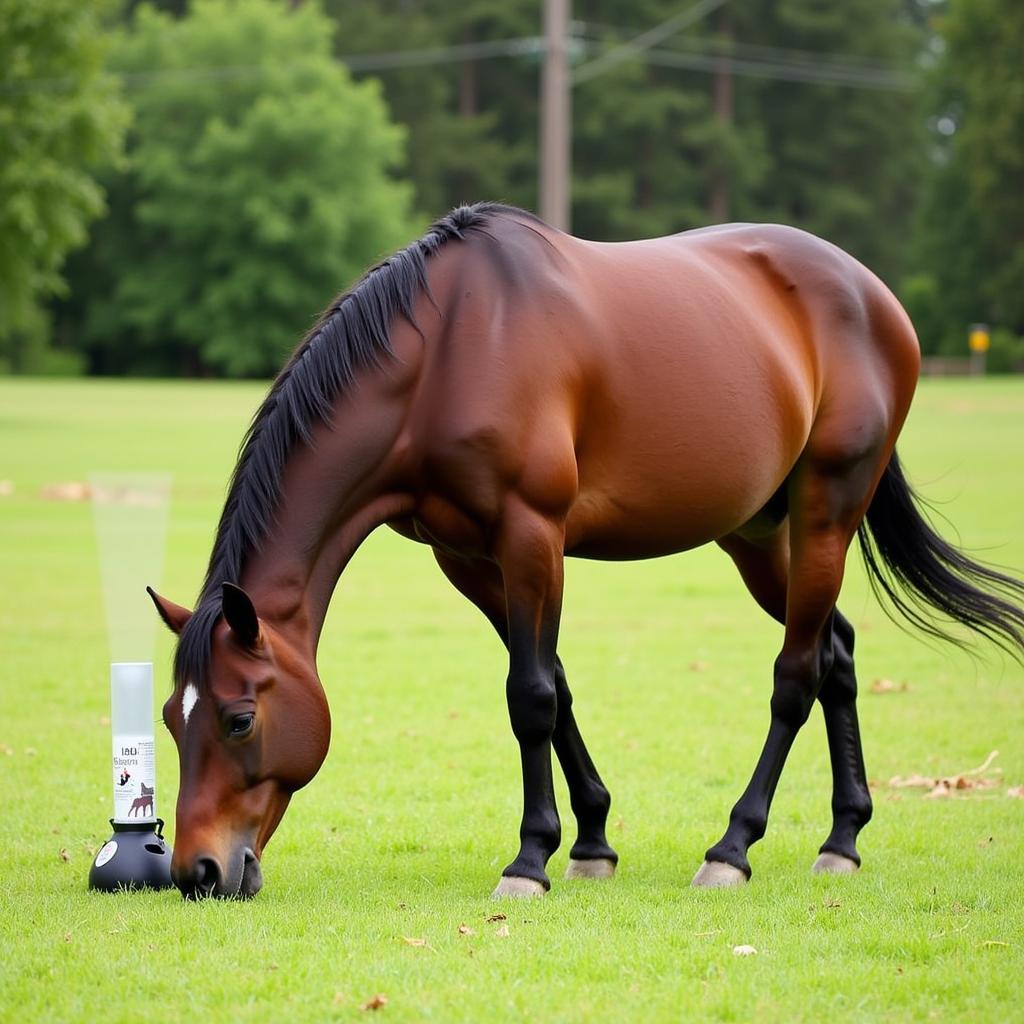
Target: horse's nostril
x=206 y=875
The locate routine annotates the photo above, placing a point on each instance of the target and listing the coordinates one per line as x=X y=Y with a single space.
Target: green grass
x=409 y=823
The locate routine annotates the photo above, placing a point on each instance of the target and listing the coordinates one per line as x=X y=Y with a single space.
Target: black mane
x=351 y=334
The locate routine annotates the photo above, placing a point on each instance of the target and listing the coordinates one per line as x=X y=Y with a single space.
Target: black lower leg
x=532 y=709
x=587 y=794
x=851 y=798
x=796 y=683
x=749 y=816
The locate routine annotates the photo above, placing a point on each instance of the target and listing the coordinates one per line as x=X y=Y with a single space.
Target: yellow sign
x=978 y=338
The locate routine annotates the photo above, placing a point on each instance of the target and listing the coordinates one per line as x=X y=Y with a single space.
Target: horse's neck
x=333 y=494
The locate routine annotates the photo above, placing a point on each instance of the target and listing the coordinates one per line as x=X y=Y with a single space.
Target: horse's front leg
x=591 y=856
x=529 y=551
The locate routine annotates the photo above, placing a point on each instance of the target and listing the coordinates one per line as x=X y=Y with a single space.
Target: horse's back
x=669 y=385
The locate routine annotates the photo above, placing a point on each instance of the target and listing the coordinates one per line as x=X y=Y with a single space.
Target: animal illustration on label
x=142 y=802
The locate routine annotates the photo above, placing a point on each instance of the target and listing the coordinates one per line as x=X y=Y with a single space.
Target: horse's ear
x=174 y=615
x=240 y=614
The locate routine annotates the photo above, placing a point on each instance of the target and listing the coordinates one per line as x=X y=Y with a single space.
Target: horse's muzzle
x=205 y=877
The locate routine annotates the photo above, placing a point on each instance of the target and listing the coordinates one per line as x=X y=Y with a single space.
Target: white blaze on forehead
x=188 y=701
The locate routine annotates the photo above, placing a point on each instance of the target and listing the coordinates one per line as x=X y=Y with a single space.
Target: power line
x=525 y=46
x=645 y=40
x=788 y=65
x=732 y=48
x=822 y=74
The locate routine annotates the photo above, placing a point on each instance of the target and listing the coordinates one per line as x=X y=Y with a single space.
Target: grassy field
x=406 y=829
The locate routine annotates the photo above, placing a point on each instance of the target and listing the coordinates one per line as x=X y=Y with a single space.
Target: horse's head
x=251 y=728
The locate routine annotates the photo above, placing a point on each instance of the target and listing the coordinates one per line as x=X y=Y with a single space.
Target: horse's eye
x=241 y=725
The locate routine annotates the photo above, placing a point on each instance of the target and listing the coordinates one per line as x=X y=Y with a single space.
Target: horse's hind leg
x=828 y=495
x=851 y=798
x=764 y=566
x=591 y=857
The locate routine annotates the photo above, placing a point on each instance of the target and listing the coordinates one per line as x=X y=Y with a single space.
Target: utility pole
x=722 y=104
x=555 y=117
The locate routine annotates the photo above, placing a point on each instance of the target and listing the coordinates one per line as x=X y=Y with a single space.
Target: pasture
x=378 y=880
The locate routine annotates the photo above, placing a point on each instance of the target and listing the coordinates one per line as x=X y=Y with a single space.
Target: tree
x=969 y=244
x=472 y=121
x=842 y=162
x=60 y=118
x=258 y=185
x=659 y=148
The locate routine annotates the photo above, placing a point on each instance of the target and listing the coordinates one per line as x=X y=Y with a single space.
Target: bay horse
x=508 y=395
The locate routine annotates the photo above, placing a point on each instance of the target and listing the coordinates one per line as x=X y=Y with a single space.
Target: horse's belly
x=690 y=440
x=643 y=518
x=610 y=541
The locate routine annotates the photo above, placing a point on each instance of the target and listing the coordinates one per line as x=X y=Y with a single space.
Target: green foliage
x=1006 y=354
x=841 y=162
x=59 y=118
x=649 y=151
x=261 y=179
x=971 y=236
x=646 y=143
x=986 y=43
x=259 y=184
x=472 y=123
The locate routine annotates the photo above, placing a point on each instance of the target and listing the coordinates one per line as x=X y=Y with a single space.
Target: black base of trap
x=134 y=857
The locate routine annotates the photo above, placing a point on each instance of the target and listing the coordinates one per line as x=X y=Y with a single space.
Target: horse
x=511 y=395
x=141 y=803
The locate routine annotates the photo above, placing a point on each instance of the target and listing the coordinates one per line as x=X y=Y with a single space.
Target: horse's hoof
x=599 y=867
x=714 y=874
x=514 y=885
x=829 y=863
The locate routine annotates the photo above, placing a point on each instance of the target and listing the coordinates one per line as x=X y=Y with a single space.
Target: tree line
x=185 y=184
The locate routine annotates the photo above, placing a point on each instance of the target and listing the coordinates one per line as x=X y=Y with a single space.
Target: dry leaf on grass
x=944 y=786
x=375 y=1002
x=1017 y=791
x=67 y=936
x=464 y=929
x=744 y=950
x=502 y=932
x=6 y=488
x=64 y=855
x=888 y=686
x=496 y=917
x=413 y=942
x=72 y=490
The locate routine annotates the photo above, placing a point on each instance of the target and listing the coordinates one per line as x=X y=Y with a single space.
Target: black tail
x=921 y=573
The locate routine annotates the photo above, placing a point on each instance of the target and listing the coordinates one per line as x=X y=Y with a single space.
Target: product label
x=108 y=851
x=134 y=778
